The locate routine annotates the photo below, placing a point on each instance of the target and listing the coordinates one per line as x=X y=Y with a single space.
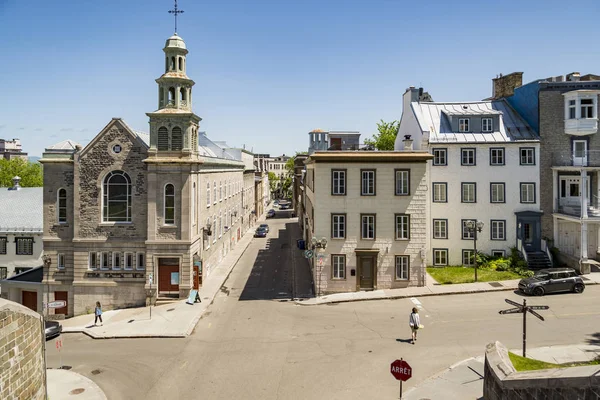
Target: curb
x=439 y=374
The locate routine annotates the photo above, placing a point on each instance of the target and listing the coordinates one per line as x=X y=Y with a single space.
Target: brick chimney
x=505 y=85
x=573 y=77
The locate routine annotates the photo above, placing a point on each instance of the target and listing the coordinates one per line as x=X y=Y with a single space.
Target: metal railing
x=522 y=250
x=593 y=208
x=546 y=250
x=590 y=158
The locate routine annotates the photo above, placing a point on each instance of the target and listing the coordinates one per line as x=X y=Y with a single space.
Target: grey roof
x=22 y=210
x=208 y=148
x=35 y=275
x=435 y=118
x=144 y=136
x=64 y=145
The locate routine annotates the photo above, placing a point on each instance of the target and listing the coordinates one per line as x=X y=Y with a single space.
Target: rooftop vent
x=16 y=185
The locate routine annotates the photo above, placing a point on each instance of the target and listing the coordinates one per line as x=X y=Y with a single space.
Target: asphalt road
x=255 y=344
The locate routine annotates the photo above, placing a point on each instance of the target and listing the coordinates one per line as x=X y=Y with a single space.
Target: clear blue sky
x=267 y=72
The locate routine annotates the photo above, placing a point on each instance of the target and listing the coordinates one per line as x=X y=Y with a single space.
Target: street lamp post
x=318 y=244
x=475 y=227
x=47 y=262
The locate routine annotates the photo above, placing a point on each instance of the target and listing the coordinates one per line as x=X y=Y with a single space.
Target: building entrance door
x=29 y=299
x=168 y=275
x=366 y=273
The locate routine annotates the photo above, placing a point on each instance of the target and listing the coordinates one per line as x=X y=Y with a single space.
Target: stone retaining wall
x=22 y=366
x=503 y=382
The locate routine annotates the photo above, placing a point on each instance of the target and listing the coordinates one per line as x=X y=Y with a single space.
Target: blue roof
x=21 y=210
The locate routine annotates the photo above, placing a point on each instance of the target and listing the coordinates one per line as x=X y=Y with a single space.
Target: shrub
x=499 y=264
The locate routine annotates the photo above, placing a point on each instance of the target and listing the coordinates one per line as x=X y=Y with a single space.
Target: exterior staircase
x=166 y=299
x=538 y=260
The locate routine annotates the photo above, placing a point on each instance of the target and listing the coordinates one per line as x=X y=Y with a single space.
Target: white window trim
x=471 y=255
x=465 y=234
x=443 y=185
x=92 y=267
x=491 y=125
x=468 y=150
x=341 y=227
x=208 y=195
x=401 y=221
x=61 y=261
x=117 y=255
x=464 y=185
x=404 y=178
x=58 y=207
x=578 y=96
x=442 y=223
x=137 y=261
x=364 y=222
x=502 y=253
x=435 y=256
x=445 y=156
x=402 y=266
x=499 y=150
x=529 y=151
x=364 y=189
x=530 y=193
x=502 y=192
x=105 y=256
x=341 y=272
x=463 y=122
x=165 y=205
x=496 y=224
x=341 y=182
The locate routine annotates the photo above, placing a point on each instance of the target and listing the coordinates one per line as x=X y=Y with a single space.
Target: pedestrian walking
x=415 y=323
x=98 y=314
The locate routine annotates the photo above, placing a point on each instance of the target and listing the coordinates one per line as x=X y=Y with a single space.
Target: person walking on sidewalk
x=415 y=323
x=98 y=314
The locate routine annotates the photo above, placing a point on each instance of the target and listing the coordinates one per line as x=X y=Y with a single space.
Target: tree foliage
x=386 y=136
x=30 y=173
x=273 y=181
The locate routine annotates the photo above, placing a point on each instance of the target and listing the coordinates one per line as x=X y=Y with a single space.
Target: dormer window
x=463 y=124
x=487 y=125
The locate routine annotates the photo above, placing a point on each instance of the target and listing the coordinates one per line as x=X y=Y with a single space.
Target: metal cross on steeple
x=175 y=12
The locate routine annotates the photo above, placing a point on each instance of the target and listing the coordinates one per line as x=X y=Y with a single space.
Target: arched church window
x=163 y=138
x=62 y=206
x=116 y=196
x=169 y=211
x=176 y=139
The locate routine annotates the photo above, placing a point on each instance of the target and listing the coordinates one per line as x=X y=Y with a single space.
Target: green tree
x=30 y=173
x=273 y=181
x=386 y=138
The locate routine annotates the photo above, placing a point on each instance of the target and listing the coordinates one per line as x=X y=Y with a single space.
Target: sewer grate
x=495 y=284
x=77 y=391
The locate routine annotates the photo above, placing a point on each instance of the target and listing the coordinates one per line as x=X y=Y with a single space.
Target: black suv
x=552 y=280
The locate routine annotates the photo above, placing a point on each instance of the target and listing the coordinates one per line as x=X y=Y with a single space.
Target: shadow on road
x=594 y=339
x=275 y=272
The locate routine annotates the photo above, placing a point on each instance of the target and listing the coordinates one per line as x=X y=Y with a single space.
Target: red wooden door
x=196 y=277
x=168 y=275
x=29 y=299
x=61 y=296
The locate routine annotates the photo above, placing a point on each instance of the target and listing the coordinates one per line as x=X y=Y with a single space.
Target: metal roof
x=144 y=136
x=22 y=210
x=435 y=118
x=64 y=145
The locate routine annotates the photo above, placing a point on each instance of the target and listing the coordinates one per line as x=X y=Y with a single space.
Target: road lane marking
x=416 y=302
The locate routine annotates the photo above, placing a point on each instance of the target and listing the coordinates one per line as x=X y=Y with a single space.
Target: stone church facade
x=133 y=216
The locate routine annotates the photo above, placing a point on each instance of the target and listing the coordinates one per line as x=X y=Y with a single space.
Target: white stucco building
x=485 y=167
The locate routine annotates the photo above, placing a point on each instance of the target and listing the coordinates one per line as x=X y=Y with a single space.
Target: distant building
x=11 y=149
x=321 y=140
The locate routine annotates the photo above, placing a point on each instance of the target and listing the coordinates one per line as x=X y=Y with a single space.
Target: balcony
x=590 y=158
x=574 y=210
x=581 y=126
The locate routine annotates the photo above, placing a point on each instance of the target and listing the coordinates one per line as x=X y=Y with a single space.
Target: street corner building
x=371 y=207
x=132 y=217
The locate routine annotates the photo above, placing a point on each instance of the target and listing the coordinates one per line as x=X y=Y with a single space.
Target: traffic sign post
x=57 y=304
x=401 y=371
x=524 y=309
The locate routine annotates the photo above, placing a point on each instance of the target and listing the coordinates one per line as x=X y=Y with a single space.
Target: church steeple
x=174 y=86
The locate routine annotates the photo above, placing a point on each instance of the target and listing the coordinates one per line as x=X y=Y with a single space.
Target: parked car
x=276 y=202
x=284 y=206
x=52 y=329
x=270 y=213
x=260 y=232
x=552 y=280
x=264 y=226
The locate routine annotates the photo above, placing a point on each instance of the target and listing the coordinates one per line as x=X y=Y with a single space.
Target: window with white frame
x=527 y=155
x=497 y=190
x=468 y=192
x=367 y=183
x=129 y=260
x=402 y=182
x=463 y=124
x=338 y=226
x=93 y=262
x=468 y=257
x=207 y=194
x=367 y=226
x=498 y=229
x=497 y=156
x=402 y=227
x=440 y=257
x=141 y=261
x=587 y=108
x=3 y=242
x=579 y=105
x=220 y=224
x=215 y=198
x=24 y=246
x=220 y=190
x=61 y=261
x=527 y=192
x=105 y=260
x=498 y=253
x=467 y=157
x=193 y=205
x=440 y=157
x=116 y=197
x=572 y=109
x=117 y=260
x=440 y=190
x=169 y=209
x=338 y=182
x=487 y=125
x=440 y=229
x=467 y=234
x=338 y=264
x=402 y=268
x=62 y=206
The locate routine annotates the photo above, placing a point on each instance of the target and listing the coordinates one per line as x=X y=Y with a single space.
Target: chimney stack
x=505 y=85
x=573 y=77
x=408 y=143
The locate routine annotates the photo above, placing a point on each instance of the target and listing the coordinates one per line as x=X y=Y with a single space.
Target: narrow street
x=253 y=343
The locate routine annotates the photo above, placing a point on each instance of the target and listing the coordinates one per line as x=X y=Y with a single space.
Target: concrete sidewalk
x=174 y=320
x=64 y=384
x=431 y=289
x=464 y=380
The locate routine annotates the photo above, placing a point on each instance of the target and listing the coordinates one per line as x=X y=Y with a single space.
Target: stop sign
x=401 y=370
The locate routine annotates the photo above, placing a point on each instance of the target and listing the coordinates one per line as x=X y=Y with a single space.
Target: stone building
x=145 y=215
x=371 y=209
x=11 y=149
x=564 y=110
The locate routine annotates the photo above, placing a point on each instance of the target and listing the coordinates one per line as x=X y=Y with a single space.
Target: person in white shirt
x=415 y=323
